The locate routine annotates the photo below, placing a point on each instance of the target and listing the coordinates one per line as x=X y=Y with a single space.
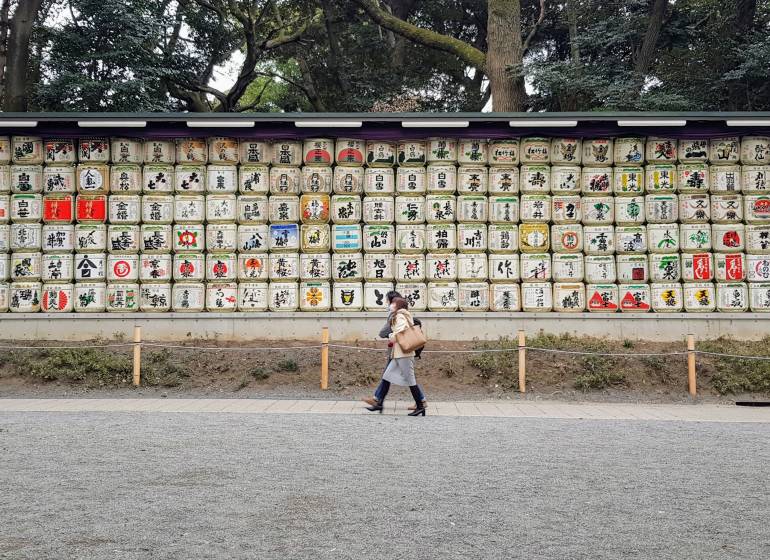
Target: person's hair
x=391 y=295
x=401 y=303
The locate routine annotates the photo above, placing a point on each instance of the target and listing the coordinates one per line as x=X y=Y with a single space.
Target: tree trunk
x=4 y=8
x=18 y=54
x=505 y=55
x=745 y=11
x=646 y=53
x=572 y=99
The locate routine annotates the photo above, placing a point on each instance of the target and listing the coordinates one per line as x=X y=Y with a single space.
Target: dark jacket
x=386 y=330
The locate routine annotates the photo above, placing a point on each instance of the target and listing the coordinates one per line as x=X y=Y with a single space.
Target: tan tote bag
x=411 y=338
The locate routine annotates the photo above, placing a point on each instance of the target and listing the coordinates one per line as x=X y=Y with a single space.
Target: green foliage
x=738 y=375
x=259 y=374
x=287 y=364
x=598 y=372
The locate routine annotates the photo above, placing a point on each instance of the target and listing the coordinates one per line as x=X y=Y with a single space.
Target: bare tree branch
x=528 y=40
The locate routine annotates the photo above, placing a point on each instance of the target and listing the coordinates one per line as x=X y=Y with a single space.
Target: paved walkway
x=508 y=409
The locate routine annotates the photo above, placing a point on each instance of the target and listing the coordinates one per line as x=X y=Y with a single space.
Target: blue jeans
x=382 y=390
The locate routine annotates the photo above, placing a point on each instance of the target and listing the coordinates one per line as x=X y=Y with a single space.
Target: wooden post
x=137 y=356
x=324 y=358
x=522 y=362
x=691 y=380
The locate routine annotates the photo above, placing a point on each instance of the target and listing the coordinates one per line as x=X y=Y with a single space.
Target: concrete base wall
x=365 y=326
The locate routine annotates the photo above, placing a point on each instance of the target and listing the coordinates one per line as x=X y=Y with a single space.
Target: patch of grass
x=287 y=364
x=92 y=366
x=739 y=375
x=628 y=343
x=485 y=362
x=598 y=372
x=243 y=384
x=259 y=374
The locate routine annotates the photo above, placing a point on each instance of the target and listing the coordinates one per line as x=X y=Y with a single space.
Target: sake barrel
x=667 y=297
x=283 y=267
x=189 y=267
x=699 y=297
x=315 y=238
x=665 y=267
x=253 y=238
x=123 y=239
x=315 y=296
x=502 y=209
x=441 y=238
x=535 y=150
x=471 y=267
x=409 y=268
x=221 y=208
x=26 y=178
x=93 y=178
x=5 y=238
x=379 y=238
x=26 y=208
x=725 y=178
x=375 y=295
x=122 y=297
x=25 y=266
x=567 y=238
x=730 y=267
x=568 y=268
x=566 y=150
x=469 y=208
x=565 y=179
x=190 y=178
x=90 y=238
x=91 y=208
x=379 y=181
x=380 y=153
x=223 y=296
x=663 y=238
x=27 y=150
x=691 y=150
x=412 y=238
x=503 y=180
x=414 y=293
x=660 y=177
x=503 y=238
x=597 y=180
x=222 y=267
x=127 y=150
x=600 y=269
x=443 y=296
x=155 y=267
x=285 y=180
x=632 y=268
x=252 y=151
x=124 y=209
x=155 y=297
x=223 y=150
x=254 y=179
x=349 y=152
x=90 y=297
x=188 y=237
x=697 y=267
x=661 y=150
x=222 y=237
x=440 y=208
x=472 y=237
x=629 y=180
x=159 y=151
x=347 y=296
x=442 y=150
x=536 y=267
x=732 y=297
x=411 y=180
x=26 y=237
x=284 y=237
x=472 y=179
x=759 y=297
x=314 y=208
x=504 y=268
x=24 y=297
x=629 y=210
x=347 y=209
x=634 y=298
x=222 y=178
x=473 y=296
x=158 y=178
x=253 y=267
x=629 y=150
x=754 y=179
x=59 y=179
x=756 y=208
x=755 y=150
x=694 y=208
x=535 y=208
x=758 y=268
x=534 y=238
x=598 y=151
x=726 y=208
x=57 y=238
x=157 y=209
x=156 y=238
x=602 y=298
x=350 y=180
x=253 y=296
x=535 y=178
x=631 y=239
x=472 y=151
x=95 y=150
x=693 y=178
x=566 y=209
x=191 y=208
x=442 y=178
x=380 y=266
x=569 y=297
x=728 y=238
x=695 y=238
x=599 y=240
x=347 y=238
x=122 y=267
x=57 y=267
x=191 y=150
x=5 y=208
x=504 y=152
x=598 y=210
x=411 y=152
x=316 y=179
x=188 y=298
x=505 y=297
x=5 y=150
x=537 y=296
x=126 y=179
x=725 y=150
x=758 y=239
x=661 y=208
x=283 y=209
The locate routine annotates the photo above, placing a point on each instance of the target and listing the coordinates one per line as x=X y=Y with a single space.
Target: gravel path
x=195 y=486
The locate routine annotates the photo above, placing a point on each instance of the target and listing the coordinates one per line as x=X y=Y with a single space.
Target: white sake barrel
x=472 y=180
x=27 y=150
x=728 y=238
x=443 y=296
x=724 y=150
x=503 y=180
x=536 y=267
x=697 y=267
x=758 y=268
x=759 y=297
x=122 y=297
x=660 y=177
x=253 y=267
x=415 y=293
x=661 y=150
x=347 y=238
x=535 y=178
x=283 y=209
x=411 y=152
x=221 y=178
x=471 y=238
x=504 y=152
x=222 y=296
x=126 y=179
x=124 y=209
x=661 y=208
x=699 y=297
x=473 y=296
x=158 y=178
x=693 y=178
x=535 y=150
x=442 y=178
x=285 y=180
x=253 y=151
x=694 y=208
x=379 y=180
x=380 y=153
x=754 y=179
x=90 y=297
x=667 y=297
x=602 y=298
x=188 y=298
x=569 y=297
x=60 y=178
x=191 y=208
x=189 y=267
x=26 y=178
x=598 y=151
x=5 y=149
x=565 y=179
x=5 y=238
x=534 y=238
x=315 y=238
x=282 y=267
x=665 y=267
x=505 y=297
x=24 y=297
x=253 y=296
x=347 y=209
x=90 y=267
x=629 y=150
x=599 y=240
x=127 y=150
x=440 y=208
x=442 y=150
x=566 y=150
x=26 y=238
x=502 y=209
x=472 y=151
x=504 y=268
x=90 y=238
x=756 y=208
x=441 y=238
x=631 y=239
x=347 y=296
x=314 y=208
x=663 y=238
x=93 y=178
x=379 y=238
x=380 y=266
x=191 y=151
x=155 y=238
x=221 y=208
x=253 y=238
x=155 y=297
x=502 y=238
x=375 y=295
x=537 y=296
x=223 y=150
x=567 y=238
x=57 y=237
x=59 y=151
x=59 y=208
x=632 y=268
x=566 y=209
x=567 y=268
x=535 y=208
x=471 y=267
x=409 y=268
x=412 y=238
x=693 y=150
x=350 y=152
x=757 y=239
x=222 y=267
x=155 y=268
x=730 y=267
x=286 y=152
x=158 y=209
x=350 y=180
x=629 y=180
x=316 y=179
x=159 y=151
x=725 y=178
x=382 y=209
x=283 y=237
x=755 y=150
x=254 y=179
x=122 y=267
x=469 y=209
x=732 y=297
x=600 y=269
x=57 y=267
x=629 y=210
x=598 y=210
x=314 y=296
x=597 y=180
x=726 y=208
x=634 y=298
x=26 y=208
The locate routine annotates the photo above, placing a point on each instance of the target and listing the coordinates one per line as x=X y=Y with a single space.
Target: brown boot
x=371 y=401
x=414 y=406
